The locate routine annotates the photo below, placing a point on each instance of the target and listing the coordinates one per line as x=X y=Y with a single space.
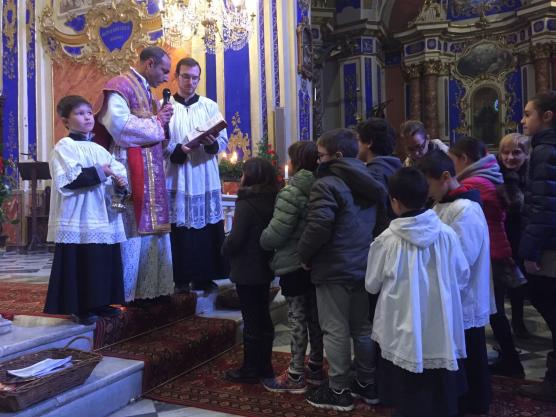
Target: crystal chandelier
x=221 y=24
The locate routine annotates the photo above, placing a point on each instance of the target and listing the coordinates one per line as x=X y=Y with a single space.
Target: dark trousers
x=477 y=399
x=258 y=329
x=542 y=291
x=517 y=298
x=498 y=321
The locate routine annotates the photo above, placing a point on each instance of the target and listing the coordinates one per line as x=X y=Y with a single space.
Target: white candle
x=286 y=172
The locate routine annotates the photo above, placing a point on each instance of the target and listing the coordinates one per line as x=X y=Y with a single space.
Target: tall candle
x=286 y=172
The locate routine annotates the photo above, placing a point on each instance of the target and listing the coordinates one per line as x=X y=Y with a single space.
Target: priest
x=194 y=188
x=131 y=124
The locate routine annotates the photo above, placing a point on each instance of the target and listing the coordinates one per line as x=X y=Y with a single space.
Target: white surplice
x=194 y=187
x=82 y=215
x=467 y=219
x=419 y=268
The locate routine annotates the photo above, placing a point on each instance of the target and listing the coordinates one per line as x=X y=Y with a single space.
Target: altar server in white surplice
x=419 y=268
x=86 y=274
x=194 y=188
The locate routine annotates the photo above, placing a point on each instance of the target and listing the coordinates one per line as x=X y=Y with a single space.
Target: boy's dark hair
x=435 y=163
x=546 y=101
x=259 y=174
x=68 y=103
x=409 y=186
x=304 y=155
x=340 y=140
x=473 y=148
x=379 y=134
x=187 y=62
x=412 y=127
x=155 y=53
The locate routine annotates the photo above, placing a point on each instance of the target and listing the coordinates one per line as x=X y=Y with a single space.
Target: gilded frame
x=90 y=43
x=304 y=49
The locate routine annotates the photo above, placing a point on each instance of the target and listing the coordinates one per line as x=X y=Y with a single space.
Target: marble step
x=206 y=307
x=112 y=385
x=32 y=333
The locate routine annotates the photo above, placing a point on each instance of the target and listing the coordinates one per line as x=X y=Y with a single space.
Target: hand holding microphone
x=166 y=112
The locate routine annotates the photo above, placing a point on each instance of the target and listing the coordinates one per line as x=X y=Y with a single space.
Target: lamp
x=221 y=24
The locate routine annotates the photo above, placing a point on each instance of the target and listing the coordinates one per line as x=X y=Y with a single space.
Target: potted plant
x=230 y=174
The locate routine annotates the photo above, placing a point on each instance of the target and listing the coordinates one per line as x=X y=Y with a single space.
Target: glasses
x=419 y=148
x=187 y=77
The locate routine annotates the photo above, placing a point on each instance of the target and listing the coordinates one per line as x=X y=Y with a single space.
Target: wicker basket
x=39 y=389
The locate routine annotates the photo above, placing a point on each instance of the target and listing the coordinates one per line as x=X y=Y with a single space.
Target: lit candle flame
x=223 y=155
x=233 y=159
x=286 y=172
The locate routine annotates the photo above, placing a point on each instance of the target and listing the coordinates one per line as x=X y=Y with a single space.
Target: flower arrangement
x=7 y=183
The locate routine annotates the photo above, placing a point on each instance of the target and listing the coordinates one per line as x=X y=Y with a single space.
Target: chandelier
x=221 y=24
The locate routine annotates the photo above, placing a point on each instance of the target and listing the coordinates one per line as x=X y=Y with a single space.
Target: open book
x=212 y=126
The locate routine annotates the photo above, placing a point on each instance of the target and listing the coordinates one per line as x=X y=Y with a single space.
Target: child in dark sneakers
x=282 y=236
x=418 y=266
x=334 y=244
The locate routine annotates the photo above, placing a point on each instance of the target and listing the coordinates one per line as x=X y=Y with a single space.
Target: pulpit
x=33 y=171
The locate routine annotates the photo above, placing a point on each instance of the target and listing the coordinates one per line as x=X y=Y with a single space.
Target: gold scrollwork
x=238 y=139
x=432 y=67
x=93 y=47
x=30 y=24
x=412 y=70
x=10 y=28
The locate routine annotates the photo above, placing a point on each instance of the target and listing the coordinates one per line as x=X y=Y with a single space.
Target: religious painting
x=485 y=108
x=485 y=59
x=305 y=49
x=75 y=7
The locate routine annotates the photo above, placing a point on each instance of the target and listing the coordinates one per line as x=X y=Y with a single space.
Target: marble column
x=414 y=75
x=553 y=65
x=432 y=70
x=541 y=61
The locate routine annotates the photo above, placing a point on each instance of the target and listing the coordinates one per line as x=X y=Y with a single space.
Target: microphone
x=166 y=94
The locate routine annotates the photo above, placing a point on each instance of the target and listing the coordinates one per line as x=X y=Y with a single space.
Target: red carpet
x=16 y=298
x=206 y=388
x=176 y=348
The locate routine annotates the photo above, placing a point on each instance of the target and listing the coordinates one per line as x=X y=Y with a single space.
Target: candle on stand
x=286 y=172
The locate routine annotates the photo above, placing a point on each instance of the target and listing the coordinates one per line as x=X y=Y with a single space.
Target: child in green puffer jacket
x=281 y=236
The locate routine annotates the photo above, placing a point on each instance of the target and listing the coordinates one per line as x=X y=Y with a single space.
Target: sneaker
x=367 y=393
x=325 y=397
x=286 y=383
x=315 y=377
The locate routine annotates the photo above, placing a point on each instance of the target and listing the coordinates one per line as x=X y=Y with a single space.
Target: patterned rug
x=18 y=298
x=205 y=388
x=176 y=348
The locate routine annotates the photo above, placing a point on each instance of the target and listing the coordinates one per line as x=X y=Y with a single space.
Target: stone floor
x=35 y=268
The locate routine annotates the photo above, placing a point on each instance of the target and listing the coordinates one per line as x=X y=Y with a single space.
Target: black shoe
x=325 y=397
x=108 y=311
x=242 y=376
x=509 y=368
x=520 y=331
x=367 y=393
x=86 y=319
x=206 y=286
